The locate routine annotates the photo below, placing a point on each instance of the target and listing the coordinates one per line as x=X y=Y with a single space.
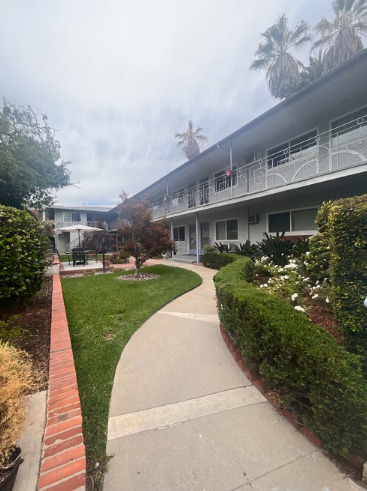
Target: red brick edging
x=63 y=463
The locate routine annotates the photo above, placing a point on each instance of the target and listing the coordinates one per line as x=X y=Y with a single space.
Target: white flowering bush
x=290 y=282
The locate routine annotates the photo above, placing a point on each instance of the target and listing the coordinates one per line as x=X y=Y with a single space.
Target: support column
x=231 y=165
x=198 y=238
x=172 y=236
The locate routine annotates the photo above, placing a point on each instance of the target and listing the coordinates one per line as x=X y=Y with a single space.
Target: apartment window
x=292 y=221
x=226 y=230
x=281 y=154
x=349 y=123
x=71 y=216
x=179 y=233
x=223 y=181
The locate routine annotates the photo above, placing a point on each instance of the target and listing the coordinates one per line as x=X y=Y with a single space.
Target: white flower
x=264 y=285
x=327 y=300
x=294 y=296
x=290 y=266
x=314 y=296
x=308 y=253
x=299 y=308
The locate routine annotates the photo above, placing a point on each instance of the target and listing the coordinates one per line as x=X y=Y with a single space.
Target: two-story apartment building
x=61 y=216
x=273 y=173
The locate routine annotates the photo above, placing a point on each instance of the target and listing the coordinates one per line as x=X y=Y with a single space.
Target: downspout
x=198 y=238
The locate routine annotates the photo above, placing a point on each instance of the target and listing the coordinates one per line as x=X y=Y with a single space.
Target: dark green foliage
x=247 y=249
x=216 y=260
x=301 y=246
x=221 y=247
x=318 y=261
x=348 y=266
x=313 y=374
x=23 y=249
x=30 y=166
x=277 y=248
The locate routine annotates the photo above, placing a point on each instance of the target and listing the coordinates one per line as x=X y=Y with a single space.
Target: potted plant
x=17 y=379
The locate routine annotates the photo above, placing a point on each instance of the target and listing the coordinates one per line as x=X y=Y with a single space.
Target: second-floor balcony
x=321 y=154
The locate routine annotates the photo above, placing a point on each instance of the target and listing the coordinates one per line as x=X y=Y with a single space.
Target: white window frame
x=178 y=229
x=226 y=234
x=287 y=158
x=71 y=213
x=332 y=121
x=290 y=211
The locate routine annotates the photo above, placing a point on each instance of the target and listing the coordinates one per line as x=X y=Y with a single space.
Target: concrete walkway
x=184 y=417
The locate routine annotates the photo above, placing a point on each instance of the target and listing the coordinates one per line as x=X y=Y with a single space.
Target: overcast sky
x=119 y=78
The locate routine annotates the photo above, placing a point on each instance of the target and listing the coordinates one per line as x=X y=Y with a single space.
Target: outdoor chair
x=79 y=256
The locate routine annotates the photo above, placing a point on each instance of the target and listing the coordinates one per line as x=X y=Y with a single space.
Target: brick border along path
x=63 y=464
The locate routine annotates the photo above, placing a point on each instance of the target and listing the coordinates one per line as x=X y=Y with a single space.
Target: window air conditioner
x=253 y=219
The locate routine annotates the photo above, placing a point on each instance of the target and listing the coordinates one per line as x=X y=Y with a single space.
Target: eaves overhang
x=314 y=90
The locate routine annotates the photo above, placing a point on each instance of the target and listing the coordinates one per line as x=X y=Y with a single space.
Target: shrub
x=276 y=248
x=348 y=269
x=221 y=247
x=17 y=378
x=216 y=260
x=23 y=250
x=247 y=249
x=301 y=247
x=119 y=257
x=312 y=373
x=318 y=260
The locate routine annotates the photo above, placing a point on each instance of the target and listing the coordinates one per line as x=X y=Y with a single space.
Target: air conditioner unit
x=253 y=219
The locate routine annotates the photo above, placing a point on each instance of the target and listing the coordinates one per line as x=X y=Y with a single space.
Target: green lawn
x=103 y=313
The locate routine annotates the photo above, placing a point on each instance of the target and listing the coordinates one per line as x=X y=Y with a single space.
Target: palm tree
x=315 y=69
x=274 y=55
x=190 y=141
x=342 y=36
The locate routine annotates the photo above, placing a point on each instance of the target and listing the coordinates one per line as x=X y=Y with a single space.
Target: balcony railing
x=325 y=153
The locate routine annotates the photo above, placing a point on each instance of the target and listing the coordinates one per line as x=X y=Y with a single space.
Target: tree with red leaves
x=143 y=237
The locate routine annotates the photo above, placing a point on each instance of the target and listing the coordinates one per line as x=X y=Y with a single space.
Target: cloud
x=118 y=79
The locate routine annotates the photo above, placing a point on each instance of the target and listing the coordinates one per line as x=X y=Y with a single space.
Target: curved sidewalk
x=184 y=417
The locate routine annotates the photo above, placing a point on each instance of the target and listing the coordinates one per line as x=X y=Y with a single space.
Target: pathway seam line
x=179 y=412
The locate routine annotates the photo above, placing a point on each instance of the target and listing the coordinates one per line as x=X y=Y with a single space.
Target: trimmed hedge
x=23 y=249
x=216 y=260
x=318 y=261
x=313 y=374
x=348 y=269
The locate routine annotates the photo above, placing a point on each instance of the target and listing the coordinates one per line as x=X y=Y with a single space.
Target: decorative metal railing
x=325 y=153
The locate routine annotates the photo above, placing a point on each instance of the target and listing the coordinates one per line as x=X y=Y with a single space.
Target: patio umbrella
x=79 y=227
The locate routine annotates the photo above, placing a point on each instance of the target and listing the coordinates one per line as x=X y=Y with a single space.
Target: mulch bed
x=28 y=327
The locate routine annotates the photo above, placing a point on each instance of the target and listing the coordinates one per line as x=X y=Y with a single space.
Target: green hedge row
x=302 y=361
x=216 y=260
x=23 y=249
x=347 y=225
